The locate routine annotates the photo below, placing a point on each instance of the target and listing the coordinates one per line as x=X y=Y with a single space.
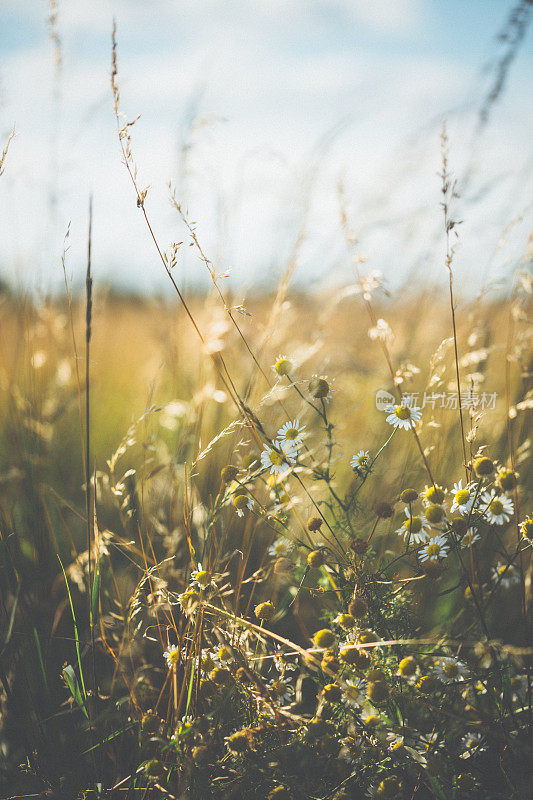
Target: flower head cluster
x=283 y=454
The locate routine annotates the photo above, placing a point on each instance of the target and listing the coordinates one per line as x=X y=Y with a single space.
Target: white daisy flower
x=470 y=537
x=351 y=749
x=435 y=548
x=360 y=462
x=283 y=366
x=450 y=670
x=278 y=461
x=526 y=529
x=473 y=743
x=201 y=577
x=281 y=690
x=292 y=433
x=414 y=528
x=463 y=499
x=505 y=575
x=171 y=655
x=398 y=744
x=499 y=508
x=242 y=501
x=281 y=547
x=431 y=742
x=403 y=416
x=370 y=718
x=353 y=694
x=224 y=655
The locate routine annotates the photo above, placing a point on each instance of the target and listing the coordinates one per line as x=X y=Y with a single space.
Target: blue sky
x=276 y=100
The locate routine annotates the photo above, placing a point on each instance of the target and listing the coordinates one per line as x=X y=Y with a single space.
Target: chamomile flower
x=281 y=547
x=463 y=498
x=282 y=691
x=450 y=670
x=433 y=495
x=473 y=743
x=470 y=537
x=283 y=366
x=351 y=749
x=435 y=548
x=499 y=509
x=224 y=655
x=431 y=743
x=353 y=694
x=188 y=600
x=242 y=501
x=201 y=577
x=403 y=416
x=360 y=462
x=526 y=529
x=414 y=528
x=280 y=460
x=291 y=433
x=401 y=744
x=505 y=575
x=172 y=654
x=370 y=718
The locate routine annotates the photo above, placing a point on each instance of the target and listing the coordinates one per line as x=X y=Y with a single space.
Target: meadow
x=273 y=551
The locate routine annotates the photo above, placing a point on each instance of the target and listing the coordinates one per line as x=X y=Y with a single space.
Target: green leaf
x=73 y=685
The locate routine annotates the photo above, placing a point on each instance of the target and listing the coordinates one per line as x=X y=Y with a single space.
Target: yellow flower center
x=496 y=507
x=203 y=577
x=434 y=513
x=173 y=656
x=451 y=670
x=434 y=494
x=276 y=458
x=403 y=412
x=462 y=497
x=433 y=550
x=283 y=366
x=352 y=693
x=413 y=525
x=291 y=433
x=224 y=654
x=278 y=688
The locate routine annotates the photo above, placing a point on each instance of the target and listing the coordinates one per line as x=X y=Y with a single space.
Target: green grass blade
x=76 y=636
x=41 y=661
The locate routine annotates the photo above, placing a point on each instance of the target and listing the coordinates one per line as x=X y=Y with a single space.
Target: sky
x=257 y=111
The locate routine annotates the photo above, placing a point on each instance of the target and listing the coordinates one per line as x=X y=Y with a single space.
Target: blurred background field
x=145 y=353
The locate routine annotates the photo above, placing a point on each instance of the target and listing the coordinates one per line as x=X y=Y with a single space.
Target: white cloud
x=273 y=99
